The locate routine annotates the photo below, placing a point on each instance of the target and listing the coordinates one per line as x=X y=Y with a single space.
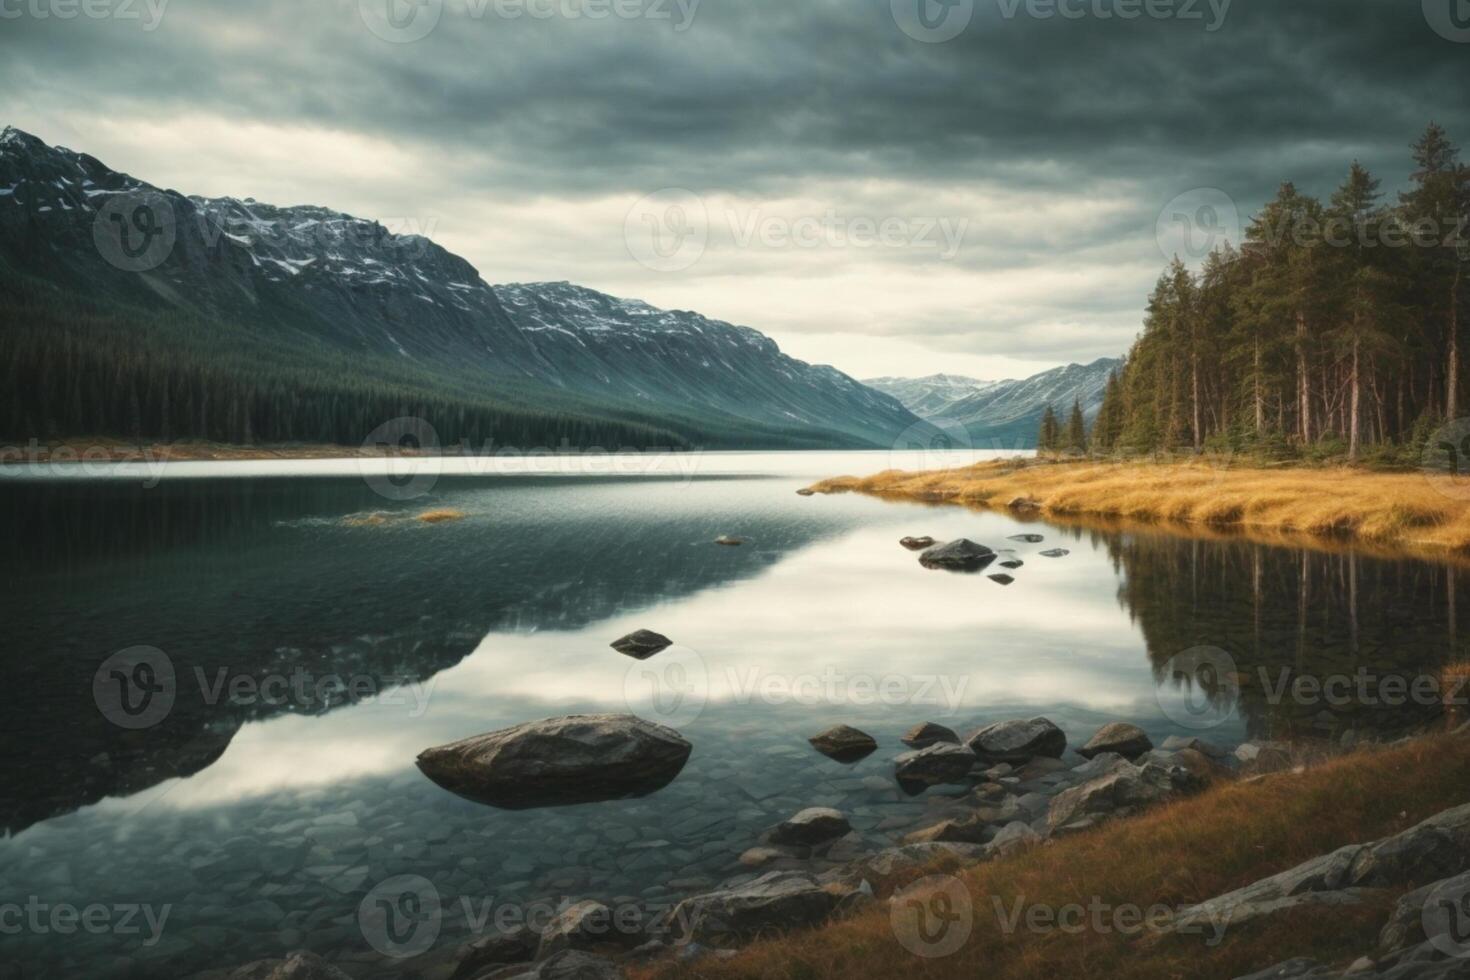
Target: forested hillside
x=1334 y=328
x=134 y=312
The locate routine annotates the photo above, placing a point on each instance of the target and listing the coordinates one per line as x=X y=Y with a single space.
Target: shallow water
x=320 y=636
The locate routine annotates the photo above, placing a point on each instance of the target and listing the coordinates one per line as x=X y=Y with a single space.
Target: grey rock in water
x=844 y=743
x=642 y=644
x=962 y=555
x=1002 y=579
x=775 y=902
x=1056 y=553
x=1027 y=538
x=806 y=492
x=1018 y=741
x=559 y=761
x=1012 y=564
x=814 y=825
x=1126 y=740
x=917 y=544
x=729 y=541
x=927 y=733
x=940 y=763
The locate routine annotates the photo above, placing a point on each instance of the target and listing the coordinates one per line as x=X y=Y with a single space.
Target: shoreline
x=1388 y=515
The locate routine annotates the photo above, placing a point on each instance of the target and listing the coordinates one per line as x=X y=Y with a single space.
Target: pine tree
x=1076 y=438
x=1049 y=439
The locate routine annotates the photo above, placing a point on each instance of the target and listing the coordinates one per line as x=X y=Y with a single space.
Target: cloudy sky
x=891 y=186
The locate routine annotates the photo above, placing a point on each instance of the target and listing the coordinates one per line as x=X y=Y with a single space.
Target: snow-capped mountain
x=265 y=277
x=930 y=396
x=1005 y=414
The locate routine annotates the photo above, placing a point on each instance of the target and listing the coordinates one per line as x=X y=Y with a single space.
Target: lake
x=301 y=636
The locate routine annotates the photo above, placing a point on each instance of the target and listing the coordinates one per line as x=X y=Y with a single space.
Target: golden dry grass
x=1175 y=855
x=441 y=515
x=1407 y=512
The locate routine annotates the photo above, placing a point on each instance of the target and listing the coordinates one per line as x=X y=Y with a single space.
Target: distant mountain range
x=167 y=316
x=1002 y=414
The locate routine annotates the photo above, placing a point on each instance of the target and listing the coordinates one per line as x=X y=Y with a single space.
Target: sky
x=895 y=187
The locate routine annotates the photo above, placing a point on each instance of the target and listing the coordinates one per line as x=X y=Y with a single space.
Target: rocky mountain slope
x=1003 y=414
x=308 y=286
x=930 y=396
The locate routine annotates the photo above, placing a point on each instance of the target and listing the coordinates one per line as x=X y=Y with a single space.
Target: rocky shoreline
x=1014 y=791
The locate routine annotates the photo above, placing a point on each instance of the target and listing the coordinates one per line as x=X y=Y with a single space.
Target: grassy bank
x=1409 y=512
x=1179 y=854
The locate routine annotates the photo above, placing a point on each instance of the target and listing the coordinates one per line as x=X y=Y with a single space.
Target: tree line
x=1333 y=329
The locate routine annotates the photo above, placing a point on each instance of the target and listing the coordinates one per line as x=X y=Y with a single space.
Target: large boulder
x=773 y=903
x=844 y=743
x=559 y=761
x=1018 y=741
x=942 y=762
x=925 y=734
x=1127 y=740
x=642 y=644
x=962 y=555
x=585 y=925
x=1120 y=792
x=814 y=825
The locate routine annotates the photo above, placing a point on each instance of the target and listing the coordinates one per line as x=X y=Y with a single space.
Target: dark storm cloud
x=775 y=97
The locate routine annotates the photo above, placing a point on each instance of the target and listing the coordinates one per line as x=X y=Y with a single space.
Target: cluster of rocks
x=964 y=555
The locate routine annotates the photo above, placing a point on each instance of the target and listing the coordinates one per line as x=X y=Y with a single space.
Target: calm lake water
x=305 y=636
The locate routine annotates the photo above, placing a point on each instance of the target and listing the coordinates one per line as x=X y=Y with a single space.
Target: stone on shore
x=1018 y=741
x=559 y=761
x=844 y=743
x=814 y=825
x=776 y=902
x=1126 y=740
x=927 y=733
x=942 y=762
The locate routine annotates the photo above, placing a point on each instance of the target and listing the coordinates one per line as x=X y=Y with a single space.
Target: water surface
x=320 y=636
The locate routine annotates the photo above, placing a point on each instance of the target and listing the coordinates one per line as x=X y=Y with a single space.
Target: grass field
x=1409 y=512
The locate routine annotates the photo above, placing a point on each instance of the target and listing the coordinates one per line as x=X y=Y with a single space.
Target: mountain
x=931 y=395
x=1004 y=414
x=166 y=316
